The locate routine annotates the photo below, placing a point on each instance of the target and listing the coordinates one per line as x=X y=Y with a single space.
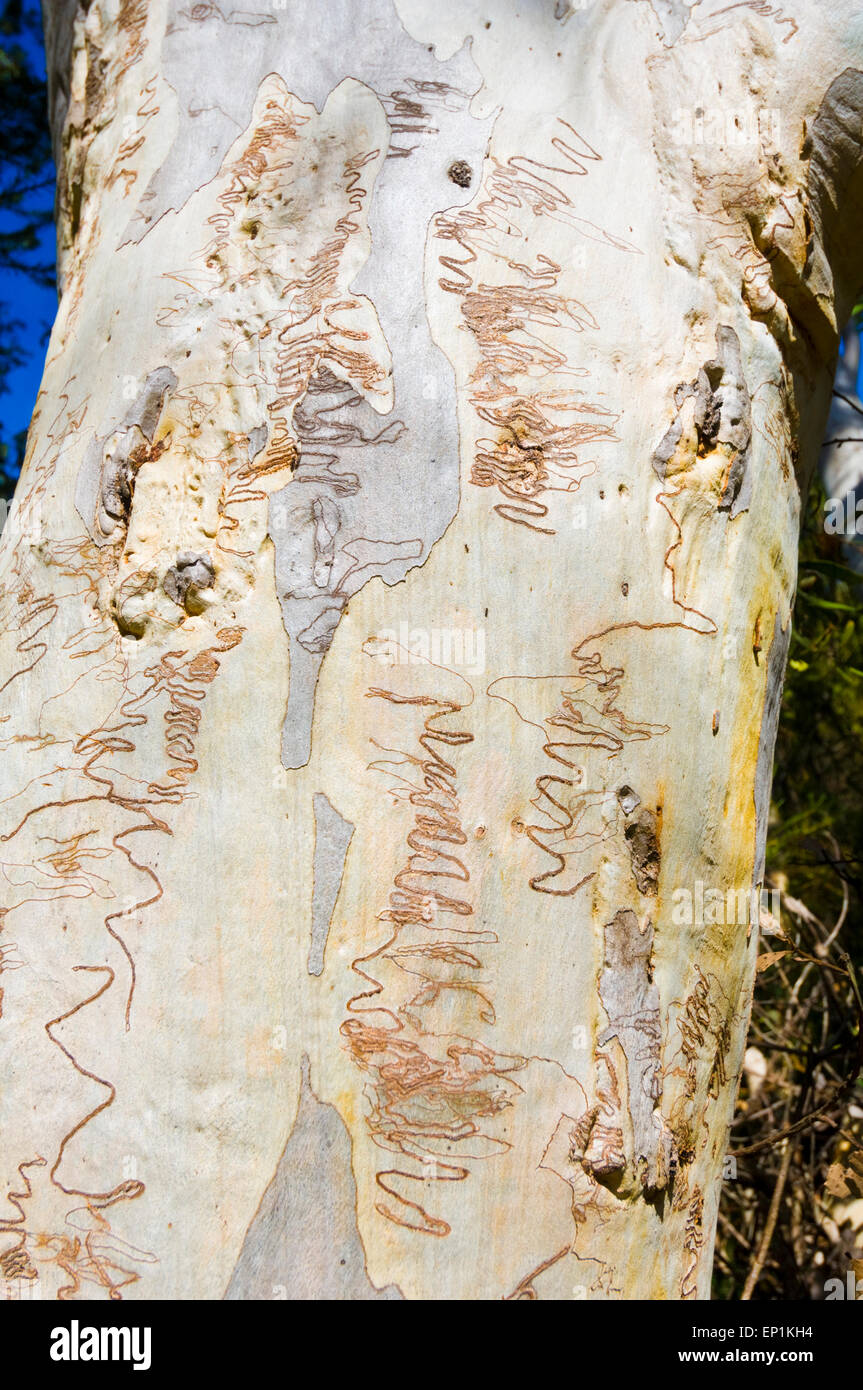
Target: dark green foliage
x=807 y=1010
x=818 y=776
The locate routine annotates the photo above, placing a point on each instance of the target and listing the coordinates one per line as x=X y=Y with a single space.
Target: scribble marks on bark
x=334 y=526
x=437 y=1091
x=533 y=422
x=578 y=715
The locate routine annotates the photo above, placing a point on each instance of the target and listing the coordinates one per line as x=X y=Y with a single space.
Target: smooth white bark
x=398 y=635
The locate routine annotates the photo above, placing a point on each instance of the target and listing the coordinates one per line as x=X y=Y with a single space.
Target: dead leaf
x=845 y=1180
x=834 y=1183
x=769 y=958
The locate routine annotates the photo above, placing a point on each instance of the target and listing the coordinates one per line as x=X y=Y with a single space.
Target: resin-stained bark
x=394 y=618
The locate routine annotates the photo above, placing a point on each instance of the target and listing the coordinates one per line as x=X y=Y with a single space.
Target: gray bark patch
x=835 y=149
x=672 y=18
x=303 y=1242
x=369 y=497
x=332 y=837
x=184 y=581
x=345 y=516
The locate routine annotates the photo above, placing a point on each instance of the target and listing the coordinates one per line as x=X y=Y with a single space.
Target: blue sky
x=24 y=300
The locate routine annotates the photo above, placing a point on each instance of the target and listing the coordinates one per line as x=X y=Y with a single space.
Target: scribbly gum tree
x=394 y=616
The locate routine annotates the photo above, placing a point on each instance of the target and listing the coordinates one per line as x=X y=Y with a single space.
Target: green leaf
x=835 y=570
x=832 y=604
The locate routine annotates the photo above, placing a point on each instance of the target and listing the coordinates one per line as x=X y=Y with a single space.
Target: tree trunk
x=394 y=620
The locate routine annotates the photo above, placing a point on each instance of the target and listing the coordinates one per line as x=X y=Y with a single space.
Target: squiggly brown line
x=423 y=1097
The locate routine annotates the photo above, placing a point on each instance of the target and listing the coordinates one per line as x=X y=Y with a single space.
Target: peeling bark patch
x=125 y=451
x=597 y=1138
x=631 y=1002
x=106 y=481
x=332 y=837
x=721 y=423
x=304 y=1238
x=643 y=841
x=732 y=408
x=184 y=581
